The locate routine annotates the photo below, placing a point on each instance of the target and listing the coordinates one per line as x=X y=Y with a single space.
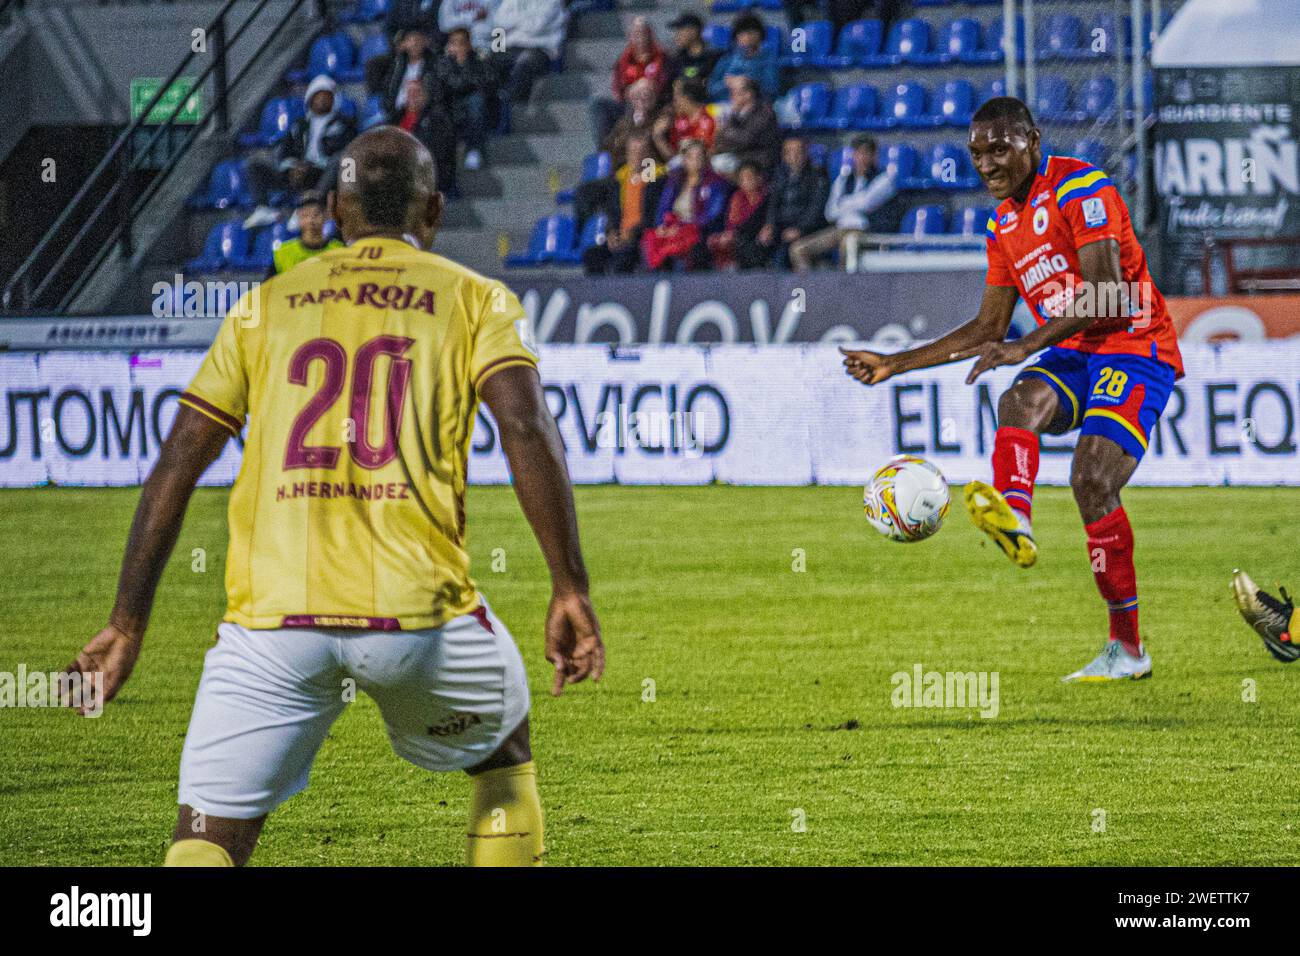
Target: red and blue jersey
x=1034 y=247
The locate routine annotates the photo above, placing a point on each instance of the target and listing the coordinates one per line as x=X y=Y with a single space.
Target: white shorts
x=449 y=697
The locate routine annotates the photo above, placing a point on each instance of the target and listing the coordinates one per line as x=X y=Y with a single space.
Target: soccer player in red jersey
x=1106 y=357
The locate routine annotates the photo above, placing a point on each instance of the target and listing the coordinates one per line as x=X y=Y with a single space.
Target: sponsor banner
x=765 y=308
x=741 y=414
x=1235 y=318
x=1226 y=165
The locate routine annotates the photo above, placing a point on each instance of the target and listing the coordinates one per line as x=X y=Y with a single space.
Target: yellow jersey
x=358 y=374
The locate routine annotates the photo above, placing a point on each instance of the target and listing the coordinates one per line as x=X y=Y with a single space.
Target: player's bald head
x=387 y=183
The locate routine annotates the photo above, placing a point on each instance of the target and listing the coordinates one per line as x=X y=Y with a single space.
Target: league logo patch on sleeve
x=1094 y=211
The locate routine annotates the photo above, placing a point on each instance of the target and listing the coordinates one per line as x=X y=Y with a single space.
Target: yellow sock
x=505 y=818
x=196 y=853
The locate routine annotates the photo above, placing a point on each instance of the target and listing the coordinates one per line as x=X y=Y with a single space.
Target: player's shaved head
x=388 y=184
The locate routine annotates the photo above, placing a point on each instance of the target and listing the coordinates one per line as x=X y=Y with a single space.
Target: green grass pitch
x=771 y=692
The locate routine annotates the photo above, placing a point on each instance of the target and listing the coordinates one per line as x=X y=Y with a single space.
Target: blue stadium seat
x=1103 y=32
x=228 y=187
x=1097 y=99
x=1130 y=101
x=1090 y=151
x=1060 y=37
x=904 y=106
x=1130 y=42
x=817 y=37
x=365 y=11
x=552 y=237
x=773 y=39
x=261 y=255
x=970 y=221
x=900 y=160
x=226 y=242
x=991 y=51
x=332 y=54
x=717 y=35
x=730 y=6
x=853 y=108
x=811 y=103
x=921 y=221
x=950 y=168
x=817 y=154
x=952 y=104
x=594 y=166
x=593 y=234
x=345 y=104
x=839 y=159
x=956 y=40
x=376 y=44
x=858 y=40
x=914 y=39
x=1052 y=101
x=373 y=113
x=993 y=88
x=278 y=115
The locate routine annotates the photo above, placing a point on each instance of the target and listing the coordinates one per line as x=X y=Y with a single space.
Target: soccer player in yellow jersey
x=358 y=374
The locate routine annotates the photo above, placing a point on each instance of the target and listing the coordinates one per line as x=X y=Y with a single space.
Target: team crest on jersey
x=1094 y=211
x=1040 y=220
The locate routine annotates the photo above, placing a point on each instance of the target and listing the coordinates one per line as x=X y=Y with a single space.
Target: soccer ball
x=907 y=499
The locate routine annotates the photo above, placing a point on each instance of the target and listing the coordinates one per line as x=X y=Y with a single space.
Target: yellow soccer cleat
x=997 y=519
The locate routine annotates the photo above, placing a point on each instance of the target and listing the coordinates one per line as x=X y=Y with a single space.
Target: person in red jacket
x=642 y=59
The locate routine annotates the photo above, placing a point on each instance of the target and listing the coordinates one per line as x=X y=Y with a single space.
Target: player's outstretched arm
x=989 y=325
x=533 y=447
x=193 y=444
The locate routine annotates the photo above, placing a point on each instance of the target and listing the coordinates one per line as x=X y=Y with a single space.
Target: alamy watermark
x=950 y=689
x=82 y=692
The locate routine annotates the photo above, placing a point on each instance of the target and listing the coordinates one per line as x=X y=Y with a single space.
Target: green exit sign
x=145 y=88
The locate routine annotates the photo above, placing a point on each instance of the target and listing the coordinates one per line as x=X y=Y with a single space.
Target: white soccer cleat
x=1113 y=663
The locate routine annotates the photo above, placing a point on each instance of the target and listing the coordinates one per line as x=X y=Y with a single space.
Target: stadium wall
x=668 y=414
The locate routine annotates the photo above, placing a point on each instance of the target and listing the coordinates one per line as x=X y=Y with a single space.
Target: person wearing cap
x=692 y=58
x=310 y=240
x=306 y=157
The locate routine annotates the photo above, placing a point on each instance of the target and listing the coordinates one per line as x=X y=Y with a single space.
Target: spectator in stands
x=747 y=58
x=750 y=131
x=425 y=117
x=465 y=84
x=687 y=117
x=532 y=39
x=642 y=59
x=798 y=198
x=863 y=197
x=630 y=201
x=473 y=15
x=311 y=239
x=638 y=117
x=693 y=59
x=692 y=207
x=412 y=60
x=737 y=243
x=307 y=156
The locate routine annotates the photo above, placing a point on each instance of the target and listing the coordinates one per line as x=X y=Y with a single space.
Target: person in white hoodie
x=474 y=15
x=858 y=192
x=527 y=37
x=306 y=156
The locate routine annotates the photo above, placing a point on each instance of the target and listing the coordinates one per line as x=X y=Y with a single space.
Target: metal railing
x=31 y=287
